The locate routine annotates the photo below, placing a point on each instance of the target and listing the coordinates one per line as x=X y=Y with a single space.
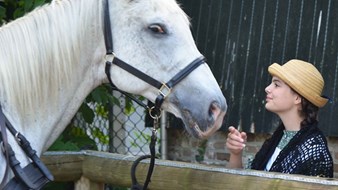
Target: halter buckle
x=164 y=90
x=17 y=138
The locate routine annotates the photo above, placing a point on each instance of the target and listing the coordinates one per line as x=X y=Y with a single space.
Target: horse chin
x=195 y=130
x=203 y=134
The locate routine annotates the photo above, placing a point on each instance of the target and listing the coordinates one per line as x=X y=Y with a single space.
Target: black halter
x=164 y=91
x=35 y=175
x=164 y=88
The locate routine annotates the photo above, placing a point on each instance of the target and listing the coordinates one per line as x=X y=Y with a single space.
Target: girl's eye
x=157 y=28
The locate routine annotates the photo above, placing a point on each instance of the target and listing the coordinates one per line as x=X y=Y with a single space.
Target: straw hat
x=303 y=78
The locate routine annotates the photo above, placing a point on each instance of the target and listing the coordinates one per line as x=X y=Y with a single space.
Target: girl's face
x=280 y=98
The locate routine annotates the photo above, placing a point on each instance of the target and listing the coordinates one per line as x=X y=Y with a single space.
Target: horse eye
x=157 y=28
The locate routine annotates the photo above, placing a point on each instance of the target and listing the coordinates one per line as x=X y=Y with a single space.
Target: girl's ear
x=298 y=100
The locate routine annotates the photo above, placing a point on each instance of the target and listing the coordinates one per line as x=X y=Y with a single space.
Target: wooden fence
x=92 y=169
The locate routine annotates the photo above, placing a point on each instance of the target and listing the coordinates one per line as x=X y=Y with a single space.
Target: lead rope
x=152 y=156
x=156 y=108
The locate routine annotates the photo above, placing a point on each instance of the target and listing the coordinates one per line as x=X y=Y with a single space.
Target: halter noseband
x=164 y=91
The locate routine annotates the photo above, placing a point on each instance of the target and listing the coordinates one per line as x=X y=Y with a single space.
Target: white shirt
x=272 y=158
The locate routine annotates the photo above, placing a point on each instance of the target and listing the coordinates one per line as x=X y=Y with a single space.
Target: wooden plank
x=115 y=169
x=65 y=166
x=108 y=168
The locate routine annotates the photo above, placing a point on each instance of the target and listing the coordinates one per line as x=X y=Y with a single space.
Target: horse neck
x=49 y=64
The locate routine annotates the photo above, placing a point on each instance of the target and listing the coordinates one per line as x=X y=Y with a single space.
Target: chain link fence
x=120 y=132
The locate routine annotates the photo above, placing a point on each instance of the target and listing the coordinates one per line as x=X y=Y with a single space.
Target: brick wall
x=213 y=151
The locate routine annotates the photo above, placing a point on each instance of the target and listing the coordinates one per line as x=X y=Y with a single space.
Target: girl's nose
x=267 y=89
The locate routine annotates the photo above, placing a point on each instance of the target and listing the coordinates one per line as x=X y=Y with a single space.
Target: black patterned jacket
x=307 y=153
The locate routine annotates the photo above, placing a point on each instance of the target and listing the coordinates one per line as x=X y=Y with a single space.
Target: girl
x=297 y=146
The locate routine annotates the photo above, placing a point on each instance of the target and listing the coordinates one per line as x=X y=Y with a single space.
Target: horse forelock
x=39 y=53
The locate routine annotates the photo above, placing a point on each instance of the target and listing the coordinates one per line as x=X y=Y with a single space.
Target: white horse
x=53 y=57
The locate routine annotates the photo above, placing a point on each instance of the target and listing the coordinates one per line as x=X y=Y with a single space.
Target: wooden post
x=87 y=184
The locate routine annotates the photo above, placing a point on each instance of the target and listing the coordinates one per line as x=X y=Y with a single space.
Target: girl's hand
x=236 y=141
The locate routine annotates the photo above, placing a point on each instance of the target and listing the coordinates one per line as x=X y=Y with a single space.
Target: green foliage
x=87 y=113
x=2 y=13
x=73 y=139
x=129 y=107
x=103 y=99
x=97 y=133
x=13 y=9
x=144 y=138
x=201 y=150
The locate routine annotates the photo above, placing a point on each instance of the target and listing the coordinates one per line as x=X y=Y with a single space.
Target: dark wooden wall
x=241 y=38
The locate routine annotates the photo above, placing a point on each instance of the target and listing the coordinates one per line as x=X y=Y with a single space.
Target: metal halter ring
x=154 y=116
x=109 y=55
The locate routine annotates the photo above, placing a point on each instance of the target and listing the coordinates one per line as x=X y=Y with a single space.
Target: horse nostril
x=214 y=110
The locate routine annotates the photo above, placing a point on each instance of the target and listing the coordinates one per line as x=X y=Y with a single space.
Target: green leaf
x=84 y=142
x=28 y=6
x=73 y=139
x=96 y=94
x=75 y=131
x=115 y=101
x=97 y=133
x=102 y=111
x=2 y=14
x=87 y=113
x=59 y=145
x=38 y=3
x=79 y=137
x=100 y=95
x=18 y=13
x=129 y=107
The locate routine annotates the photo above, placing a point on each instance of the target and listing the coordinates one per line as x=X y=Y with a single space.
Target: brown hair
x=310 y=112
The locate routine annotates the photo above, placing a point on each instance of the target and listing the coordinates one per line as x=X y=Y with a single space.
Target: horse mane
x=40 y=51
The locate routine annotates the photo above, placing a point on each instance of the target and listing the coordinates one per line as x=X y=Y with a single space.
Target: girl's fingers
x=236 y=140
x=244 y=136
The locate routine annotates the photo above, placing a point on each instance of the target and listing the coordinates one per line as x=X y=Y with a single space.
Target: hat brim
x=278 y=71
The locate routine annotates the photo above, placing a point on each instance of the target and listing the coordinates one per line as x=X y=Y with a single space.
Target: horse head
x=155 y=38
